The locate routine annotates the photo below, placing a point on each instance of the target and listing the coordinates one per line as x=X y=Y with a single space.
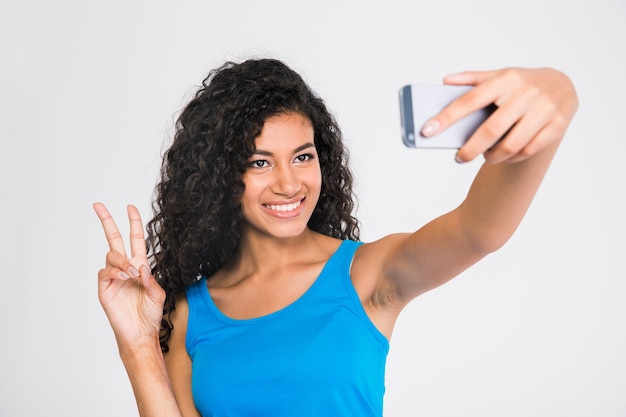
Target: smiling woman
x=271 y=306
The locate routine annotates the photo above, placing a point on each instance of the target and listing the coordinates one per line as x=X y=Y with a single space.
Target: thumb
x=150 y=285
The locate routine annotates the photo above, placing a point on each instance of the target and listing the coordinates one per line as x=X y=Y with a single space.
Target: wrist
x=149 y=378
x=141 y=351
x=144 y=362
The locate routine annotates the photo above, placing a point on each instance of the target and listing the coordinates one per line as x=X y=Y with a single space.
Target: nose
x=286 y=182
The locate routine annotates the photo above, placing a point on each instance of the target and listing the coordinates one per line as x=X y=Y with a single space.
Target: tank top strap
x=335 y=283
x=337 y=268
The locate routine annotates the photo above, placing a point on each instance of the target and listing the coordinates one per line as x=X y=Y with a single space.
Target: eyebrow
x=298 y=149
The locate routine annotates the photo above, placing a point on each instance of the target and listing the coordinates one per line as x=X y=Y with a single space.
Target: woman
x=261 y=300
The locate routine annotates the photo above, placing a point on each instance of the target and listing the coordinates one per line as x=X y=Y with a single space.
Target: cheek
x=249 y=190
x=315 y=181
x=319 y=182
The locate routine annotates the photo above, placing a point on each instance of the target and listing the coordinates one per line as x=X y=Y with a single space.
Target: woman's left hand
x=535 y=107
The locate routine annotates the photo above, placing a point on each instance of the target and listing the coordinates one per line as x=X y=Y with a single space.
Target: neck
x=262 y=251
x=265 y=256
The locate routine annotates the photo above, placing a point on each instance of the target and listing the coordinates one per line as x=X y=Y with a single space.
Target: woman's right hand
x=130 y=296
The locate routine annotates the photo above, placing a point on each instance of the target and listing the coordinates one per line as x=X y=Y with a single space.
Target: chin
x=289 y=233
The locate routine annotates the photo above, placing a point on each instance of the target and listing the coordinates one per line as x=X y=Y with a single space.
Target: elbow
x=490 y=241
x=493 y=245
x=485 y=234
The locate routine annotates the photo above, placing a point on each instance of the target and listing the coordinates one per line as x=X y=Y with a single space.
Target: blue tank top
x=319 y=356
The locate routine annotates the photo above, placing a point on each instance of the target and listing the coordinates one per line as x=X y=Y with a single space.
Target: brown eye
x=304 y=157
x=259 y=163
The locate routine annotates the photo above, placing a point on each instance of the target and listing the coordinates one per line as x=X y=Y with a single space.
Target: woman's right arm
x=149 y=378
x=133 y=302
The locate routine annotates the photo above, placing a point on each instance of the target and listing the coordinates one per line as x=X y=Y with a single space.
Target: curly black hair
x=197 y=212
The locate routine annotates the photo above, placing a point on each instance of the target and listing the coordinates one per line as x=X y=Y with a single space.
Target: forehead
x=285 y=130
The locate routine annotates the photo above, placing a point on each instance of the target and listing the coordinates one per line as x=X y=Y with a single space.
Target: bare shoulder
x=368 y=271
x=177 y=360
x=180 y=314
x=372 y=256
x=377 y=293
x=177 y=342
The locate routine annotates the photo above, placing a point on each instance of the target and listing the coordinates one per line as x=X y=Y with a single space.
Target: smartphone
x=420 y=102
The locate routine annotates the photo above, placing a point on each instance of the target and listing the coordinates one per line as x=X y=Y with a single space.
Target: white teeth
x=285 y=207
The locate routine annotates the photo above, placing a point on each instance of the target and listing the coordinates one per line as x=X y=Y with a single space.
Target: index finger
x=112 y=233
x=478 y=97
x=468 y=77
x=137 y=240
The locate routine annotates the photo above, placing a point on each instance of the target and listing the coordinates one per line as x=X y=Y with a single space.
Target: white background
x=88 y=95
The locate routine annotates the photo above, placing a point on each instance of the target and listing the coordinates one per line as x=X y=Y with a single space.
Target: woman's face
x=283 y=178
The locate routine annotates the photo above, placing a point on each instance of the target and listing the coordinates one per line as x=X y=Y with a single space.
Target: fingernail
x=458 y=159
x=124 y=275
x=430 y=128
x=145 y=270
x=133 y=271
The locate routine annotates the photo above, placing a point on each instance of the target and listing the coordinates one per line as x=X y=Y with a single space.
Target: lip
x=282 y=209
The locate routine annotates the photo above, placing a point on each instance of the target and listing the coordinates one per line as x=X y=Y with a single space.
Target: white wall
x=88 y=94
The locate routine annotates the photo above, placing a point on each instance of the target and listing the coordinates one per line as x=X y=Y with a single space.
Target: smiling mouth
x=284 y=207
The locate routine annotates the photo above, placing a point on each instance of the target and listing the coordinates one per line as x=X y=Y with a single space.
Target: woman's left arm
x=535 y=107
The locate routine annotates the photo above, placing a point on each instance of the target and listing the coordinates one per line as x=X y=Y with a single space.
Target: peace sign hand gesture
x=129 y=294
